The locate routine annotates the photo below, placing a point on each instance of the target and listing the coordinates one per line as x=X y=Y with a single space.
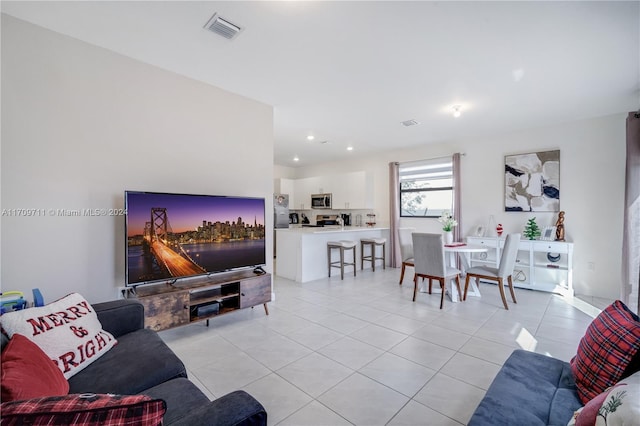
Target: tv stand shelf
x=173 y=305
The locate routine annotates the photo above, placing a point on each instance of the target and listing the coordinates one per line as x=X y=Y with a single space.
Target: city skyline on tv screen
x=171 y=236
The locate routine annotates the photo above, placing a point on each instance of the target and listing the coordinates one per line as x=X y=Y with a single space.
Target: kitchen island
x=301 y=253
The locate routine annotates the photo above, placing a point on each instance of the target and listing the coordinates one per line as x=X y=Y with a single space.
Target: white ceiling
x=350 y=72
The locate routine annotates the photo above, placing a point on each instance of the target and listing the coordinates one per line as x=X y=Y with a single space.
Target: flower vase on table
x=448 y=222
x=448 y=237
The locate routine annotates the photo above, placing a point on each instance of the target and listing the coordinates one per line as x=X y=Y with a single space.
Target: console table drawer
x=550 y=246
x=487 y=242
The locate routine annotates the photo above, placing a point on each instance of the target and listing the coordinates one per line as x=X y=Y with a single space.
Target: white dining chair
x=428 y=256
x=503 y=272
x=406 y=249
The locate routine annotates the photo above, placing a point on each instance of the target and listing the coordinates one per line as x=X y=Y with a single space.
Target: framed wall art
x=532 y=182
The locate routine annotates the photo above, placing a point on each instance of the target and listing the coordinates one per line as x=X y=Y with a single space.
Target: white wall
x=80 y=125
x=592 y=167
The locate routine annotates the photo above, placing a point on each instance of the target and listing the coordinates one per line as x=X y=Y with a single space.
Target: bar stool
x=341 y=245
x=373 y=242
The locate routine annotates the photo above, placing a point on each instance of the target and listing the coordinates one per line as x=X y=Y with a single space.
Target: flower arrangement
x=447 y=221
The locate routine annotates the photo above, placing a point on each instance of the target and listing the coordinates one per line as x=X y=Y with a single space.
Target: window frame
x=418 y=168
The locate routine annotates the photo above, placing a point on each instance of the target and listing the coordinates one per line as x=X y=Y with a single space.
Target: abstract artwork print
x=532 y=182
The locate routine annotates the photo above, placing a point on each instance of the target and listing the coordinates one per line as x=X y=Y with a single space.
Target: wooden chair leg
x=513 y=295
x=402 y=273
x=442 y=294
x=329 y=259
x=458 y=286
x=430 y=285
x=384 y=256
x=354 y=261
x=466 y=286
x=415 y=286
x=501 y=287
x=341 y=263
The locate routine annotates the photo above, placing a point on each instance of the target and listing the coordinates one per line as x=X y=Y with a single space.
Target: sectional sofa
x=142 y=364
x=600 y=384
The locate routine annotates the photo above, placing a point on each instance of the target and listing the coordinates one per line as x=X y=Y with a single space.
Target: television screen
x=171 y=236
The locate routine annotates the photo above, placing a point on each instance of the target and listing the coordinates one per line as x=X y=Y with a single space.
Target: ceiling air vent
x=409 y=123
x=222 y=26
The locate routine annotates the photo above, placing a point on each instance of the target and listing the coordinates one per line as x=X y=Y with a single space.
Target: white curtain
x=394 y=214
x=631 y=235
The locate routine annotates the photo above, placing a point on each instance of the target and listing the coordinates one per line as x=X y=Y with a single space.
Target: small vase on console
x=448 y=237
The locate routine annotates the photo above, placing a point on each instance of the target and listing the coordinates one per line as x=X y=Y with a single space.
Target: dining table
x=462 y=251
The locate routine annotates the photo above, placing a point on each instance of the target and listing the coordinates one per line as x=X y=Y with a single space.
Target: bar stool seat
x=373 y=242
x=341 y=245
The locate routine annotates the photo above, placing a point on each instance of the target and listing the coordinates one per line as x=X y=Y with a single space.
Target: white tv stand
x=534 y=270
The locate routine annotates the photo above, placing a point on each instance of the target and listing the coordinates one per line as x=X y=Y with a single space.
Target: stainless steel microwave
x=320 y=201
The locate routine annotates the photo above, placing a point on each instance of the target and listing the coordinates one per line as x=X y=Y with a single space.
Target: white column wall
x=80 y=125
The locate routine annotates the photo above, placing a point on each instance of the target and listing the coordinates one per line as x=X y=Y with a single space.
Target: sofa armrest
x=234 y=409
x=120 y=317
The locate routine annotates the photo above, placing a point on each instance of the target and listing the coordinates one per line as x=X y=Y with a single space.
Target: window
x=426 y=187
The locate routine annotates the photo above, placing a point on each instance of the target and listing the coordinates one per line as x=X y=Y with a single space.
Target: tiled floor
x=359 y=351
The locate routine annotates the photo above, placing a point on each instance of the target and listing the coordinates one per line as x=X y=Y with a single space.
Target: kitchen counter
x=302 y=252
x=330 y=229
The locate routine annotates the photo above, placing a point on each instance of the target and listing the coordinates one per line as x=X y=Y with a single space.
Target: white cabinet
x=352 y=191
x=286 y=186
x=302 y=190
x=540 y=265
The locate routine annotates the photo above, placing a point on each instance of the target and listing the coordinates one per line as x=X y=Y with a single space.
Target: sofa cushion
x=181 y=396
x=140 y=361
x=604 y=353
x=187 y=406
x=530 y=389
x=27 y=372
x=85 y=410
x=67 y=330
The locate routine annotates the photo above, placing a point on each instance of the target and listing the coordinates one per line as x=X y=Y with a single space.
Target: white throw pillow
x=67 y=330
x=622 y=406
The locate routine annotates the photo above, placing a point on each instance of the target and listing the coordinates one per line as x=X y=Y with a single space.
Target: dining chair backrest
x=406 y=243
x=509 y=255
x=428 y=254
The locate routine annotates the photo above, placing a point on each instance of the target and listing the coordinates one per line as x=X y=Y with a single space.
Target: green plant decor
x=531 y=229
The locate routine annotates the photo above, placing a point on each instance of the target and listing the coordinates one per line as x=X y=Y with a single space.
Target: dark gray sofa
x=530 y=389
x=141 y=363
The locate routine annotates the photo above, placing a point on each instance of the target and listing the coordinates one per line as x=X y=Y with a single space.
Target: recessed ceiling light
x=296 y=158
x=310 y=137
x=349 y=148
x=456 y=111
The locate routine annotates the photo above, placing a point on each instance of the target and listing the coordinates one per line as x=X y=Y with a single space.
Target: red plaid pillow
x=85 y=410
x=609 y=344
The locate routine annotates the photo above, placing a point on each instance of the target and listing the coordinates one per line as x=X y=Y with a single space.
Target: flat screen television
x=174 y=236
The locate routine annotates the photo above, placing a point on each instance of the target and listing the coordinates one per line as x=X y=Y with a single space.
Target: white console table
x=540 y=265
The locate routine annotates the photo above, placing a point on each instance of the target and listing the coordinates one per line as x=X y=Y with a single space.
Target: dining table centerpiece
x=448 y=222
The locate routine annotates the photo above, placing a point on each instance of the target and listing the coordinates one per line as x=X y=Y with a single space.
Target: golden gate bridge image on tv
x=176 y=261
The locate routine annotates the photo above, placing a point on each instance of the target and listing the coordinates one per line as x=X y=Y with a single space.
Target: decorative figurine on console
x=560 y=227
x=499 y=229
